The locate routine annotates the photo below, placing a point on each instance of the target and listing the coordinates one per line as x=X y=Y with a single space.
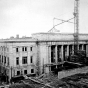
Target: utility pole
x=76 y=25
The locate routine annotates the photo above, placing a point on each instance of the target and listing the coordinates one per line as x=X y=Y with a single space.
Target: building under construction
x=41 y=53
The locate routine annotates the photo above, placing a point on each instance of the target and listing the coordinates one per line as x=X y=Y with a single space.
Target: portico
x=60 y=46
x=61 y=52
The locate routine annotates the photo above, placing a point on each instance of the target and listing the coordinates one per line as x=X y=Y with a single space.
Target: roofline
x=15 y=40
x=59 y=33
x=41 y=41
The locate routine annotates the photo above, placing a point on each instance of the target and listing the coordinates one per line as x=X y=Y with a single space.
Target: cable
x=61 y=23
x=63 y=20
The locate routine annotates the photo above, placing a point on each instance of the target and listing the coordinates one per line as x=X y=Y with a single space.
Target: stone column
x=78 y=46
x=67 y=50
x=49 y=54
x=56 y=53
x=82 y=47
x=73 y=49
x=86 y=50
x=62 y=53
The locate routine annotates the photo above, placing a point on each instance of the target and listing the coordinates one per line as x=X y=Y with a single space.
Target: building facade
x=34 y=55
x=18 y=56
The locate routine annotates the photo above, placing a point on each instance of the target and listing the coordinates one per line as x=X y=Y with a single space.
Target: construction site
x=72 y=72
x=59 y=63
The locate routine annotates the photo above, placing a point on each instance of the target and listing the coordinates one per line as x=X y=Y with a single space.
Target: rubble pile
x=78 y=80
x=48 y=78
x=51 y=81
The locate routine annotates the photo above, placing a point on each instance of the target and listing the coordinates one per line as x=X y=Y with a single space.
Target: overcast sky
x=25 y=17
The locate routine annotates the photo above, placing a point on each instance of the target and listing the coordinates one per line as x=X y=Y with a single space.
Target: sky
x=25 y=17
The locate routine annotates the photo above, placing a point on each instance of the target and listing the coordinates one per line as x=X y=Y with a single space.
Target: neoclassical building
x=37 y=54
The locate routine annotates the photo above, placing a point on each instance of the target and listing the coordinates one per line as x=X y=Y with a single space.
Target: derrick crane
x=78 y=56
x=76 y=25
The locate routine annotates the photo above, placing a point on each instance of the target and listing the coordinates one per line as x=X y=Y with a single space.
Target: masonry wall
x=11 y=53
x=43 y=57
x=27 y=53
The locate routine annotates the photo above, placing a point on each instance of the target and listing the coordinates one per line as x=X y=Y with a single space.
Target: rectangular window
x=24 y=60
x=17 y=60
x=32 y=70
x=25 y=71
x=30 y=48
x=18 y=72
x=4 y=59
x=31 y=59
x=24 y=49
x=17 y=50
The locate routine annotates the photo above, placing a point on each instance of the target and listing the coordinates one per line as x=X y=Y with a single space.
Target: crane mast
x=76 y=25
